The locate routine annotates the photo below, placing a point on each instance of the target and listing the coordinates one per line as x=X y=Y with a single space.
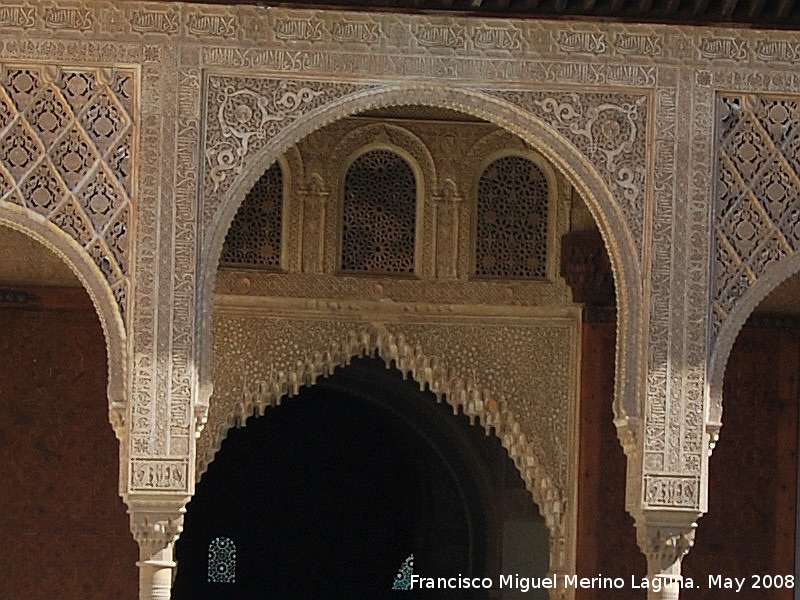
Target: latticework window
x=379 y=214
x=511 y=220
x=254 y=238
x=221 y=560
x=402 y=581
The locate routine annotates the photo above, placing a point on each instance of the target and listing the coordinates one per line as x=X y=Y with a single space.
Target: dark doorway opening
x=328 y=494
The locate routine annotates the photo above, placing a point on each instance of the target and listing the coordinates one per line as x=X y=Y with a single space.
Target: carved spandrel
x=611 y=131
x=243 y=115
x=756 y=219
x=80 y=119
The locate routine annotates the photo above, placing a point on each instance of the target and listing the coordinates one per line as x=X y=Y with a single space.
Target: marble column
x=155 y=529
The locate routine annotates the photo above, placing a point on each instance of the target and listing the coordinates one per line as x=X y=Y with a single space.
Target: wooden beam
x=589 y=4
x=561 y=5
x=616 y=6
x=728 y=6
x=503 y=3
x=671 y=7
x=645 y=6
x=700 y=8
x=756 y=7
x=531 y=3
x=784 y=8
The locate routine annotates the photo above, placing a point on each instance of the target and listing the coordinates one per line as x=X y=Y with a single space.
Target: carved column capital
x=665 y=538
x=448 y=193
x=156 y=524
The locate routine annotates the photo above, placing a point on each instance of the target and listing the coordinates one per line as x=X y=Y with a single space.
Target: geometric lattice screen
x=65 y=153
x=254 y=238
x=379 y=214
x=511 y=220
x=757 y=196
x=221 y=560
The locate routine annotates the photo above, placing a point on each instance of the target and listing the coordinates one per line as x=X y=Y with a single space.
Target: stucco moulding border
x=376 y=34
x=389 y=311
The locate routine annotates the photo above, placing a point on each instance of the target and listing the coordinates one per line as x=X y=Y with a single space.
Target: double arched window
x=378 y=220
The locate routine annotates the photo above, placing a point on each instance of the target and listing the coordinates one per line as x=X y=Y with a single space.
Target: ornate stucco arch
x=96 y=285
x=584 y=174
x=772 y=277
x=747 y=266
x=458 y=390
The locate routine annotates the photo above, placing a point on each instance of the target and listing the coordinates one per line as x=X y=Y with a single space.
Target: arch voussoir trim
x=102 y=297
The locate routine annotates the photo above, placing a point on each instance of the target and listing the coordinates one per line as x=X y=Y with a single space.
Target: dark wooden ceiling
x=773 y=14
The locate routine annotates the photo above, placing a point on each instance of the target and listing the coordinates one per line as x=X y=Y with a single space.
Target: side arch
x=774 y=275
x=102 y=297
x=461 y=393
x=578 y=169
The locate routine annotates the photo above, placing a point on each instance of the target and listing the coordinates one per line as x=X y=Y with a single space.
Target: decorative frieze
x=356 y=31
x=639 y=44
x=155 y=21
x=588 y=42
x=68 y=18
x=723 y=47
x=18 y=15
x=148 y=475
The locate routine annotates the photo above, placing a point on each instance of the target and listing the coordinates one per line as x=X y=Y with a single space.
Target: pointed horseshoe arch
x=81 y=264
x=584 y=176
x=461 y=393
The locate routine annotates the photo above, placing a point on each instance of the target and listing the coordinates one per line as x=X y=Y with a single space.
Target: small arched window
x=511 y=220
x=402 y=581
x=379 y=214
x=254 y=239
x=222 y=560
